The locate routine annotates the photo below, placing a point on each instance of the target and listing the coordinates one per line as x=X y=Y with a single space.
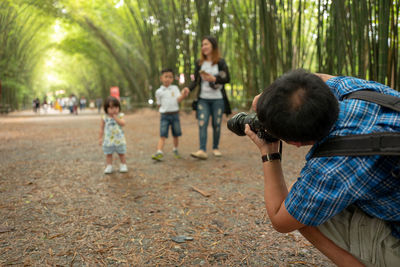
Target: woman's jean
x=205 y=109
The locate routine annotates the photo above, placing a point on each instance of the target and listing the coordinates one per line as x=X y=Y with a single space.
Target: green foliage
x=85 y=47
x=359 y=38
x=21 y=42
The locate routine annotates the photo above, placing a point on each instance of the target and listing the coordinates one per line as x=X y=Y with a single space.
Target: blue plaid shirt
x=327 y=185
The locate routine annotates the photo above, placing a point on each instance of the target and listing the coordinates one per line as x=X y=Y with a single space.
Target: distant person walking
x=45 y=105
x=82 y=103
x=211 y=74
x=57 y=105
x=112 y=136
x=75 y=101
x=73 y=104
x=99 y=104
x=36 y=105
x=168 y=98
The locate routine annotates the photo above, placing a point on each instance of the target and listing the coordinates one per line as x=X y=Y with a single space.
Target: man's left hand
x=264 y=147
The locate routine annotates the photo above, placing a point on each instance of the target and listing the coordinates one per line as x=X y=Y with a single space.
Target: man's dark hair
x=111 y=101
x=167 y=70
x=298 y=107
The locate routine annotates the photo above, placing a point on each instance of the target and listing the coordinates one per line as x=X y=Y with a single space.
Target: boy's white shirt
x=167 y=98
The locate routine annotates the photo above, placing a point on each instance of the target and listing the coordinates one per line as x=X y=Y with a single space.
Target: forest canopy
x=53 y=47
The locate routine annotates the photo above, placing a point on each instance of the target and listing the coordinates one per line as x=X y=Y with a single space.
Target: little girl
x=111 y=134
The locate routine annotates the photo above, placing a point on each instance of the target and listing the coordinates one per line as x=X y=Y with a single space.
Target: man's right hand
x=254 y=104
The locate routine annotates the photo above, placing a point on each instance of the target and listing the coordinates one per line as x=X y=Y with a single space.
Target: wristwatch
x=271 y=157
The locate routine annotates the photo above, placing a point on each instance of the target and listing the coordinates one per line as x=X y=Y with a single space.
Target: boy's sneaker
x=123 y=168
x=108 y=169
x=176 y=154
x=158 y=156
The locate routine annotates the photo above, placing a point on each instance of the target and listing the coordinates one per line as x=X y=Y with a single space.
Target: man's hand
x=324 y=77
x=264 y=147
x=256 y=140
x=254 y=103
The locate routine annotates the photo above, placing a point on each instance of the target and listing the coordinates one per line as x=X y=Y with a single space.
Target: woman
x=211 y=74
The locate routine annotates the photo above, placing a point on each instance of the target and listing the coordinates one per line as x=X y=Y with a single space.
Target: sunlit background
x=56 y=48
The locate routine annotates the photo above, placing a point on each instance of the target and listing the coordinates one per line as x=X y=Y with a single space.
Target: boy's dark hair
x=111 y=101
x=298 y=107
x=167 y=70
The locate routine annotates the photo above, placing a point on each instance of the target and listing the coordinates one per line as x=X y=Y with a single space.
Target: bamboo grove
x=125 y=43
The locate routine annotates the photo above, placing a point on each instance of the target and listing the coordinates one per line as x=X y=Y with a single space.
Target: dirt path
x=57 y=207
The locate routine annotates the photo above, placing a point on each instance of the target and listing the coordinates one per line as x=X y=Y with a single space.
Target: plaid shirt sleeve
x=342 y=86
x=327 y=185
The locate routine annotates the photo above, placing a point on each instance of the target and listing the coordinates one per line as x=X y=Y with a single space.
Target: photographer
x=344 y=205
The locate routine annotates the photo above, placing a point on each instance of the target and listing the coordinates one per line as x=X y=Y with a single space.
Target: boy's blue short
x=167 y=120
x=111 y=149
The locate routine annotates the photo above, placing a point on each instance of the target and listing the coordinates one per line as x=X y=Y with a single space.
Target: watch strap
x=271 y=157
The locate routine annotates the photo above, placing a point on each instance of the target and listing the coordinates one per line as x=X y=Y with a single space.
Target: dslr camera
x=237 y=125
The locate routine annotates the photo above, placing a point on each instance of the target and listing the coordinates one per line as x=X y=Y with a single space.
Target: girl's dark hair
x=111 y=101
x=299 y=106
x=216 y=55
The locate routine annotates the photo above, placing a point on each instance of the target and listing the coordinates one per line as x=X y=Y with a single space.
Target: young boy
x=168 y=98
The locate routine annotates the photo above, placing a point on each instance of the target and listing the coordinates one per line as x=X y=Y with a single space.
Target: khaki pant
x=367 y=238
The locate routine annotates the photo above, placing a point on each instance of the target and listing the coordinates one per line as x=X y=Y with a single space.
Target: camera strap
x=383 y=143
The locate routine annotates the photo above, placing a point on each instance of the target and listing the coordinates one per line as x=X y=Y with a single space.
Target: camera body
x=237 y=125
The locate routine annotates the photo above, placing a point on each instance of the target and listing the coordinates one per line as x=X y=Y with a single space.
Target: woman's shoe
x=199 y=154
x=217 y=153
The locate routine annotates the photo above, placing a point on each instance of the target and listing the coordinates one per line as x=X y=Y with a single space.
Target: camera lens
x=237 y=125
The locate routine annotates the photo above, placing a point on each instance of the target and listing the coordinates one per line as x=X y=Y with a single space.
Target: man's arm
x=275 y=189
x=275 y=192
x=324 y=77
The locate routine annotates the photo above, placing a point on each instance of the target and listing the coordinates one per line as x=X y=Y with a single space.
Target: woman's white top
x=208 y=92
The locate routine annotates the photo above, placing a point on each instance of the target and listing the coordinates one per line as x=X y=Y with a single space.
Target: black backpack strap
x=384 y=143
x=389 y=101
